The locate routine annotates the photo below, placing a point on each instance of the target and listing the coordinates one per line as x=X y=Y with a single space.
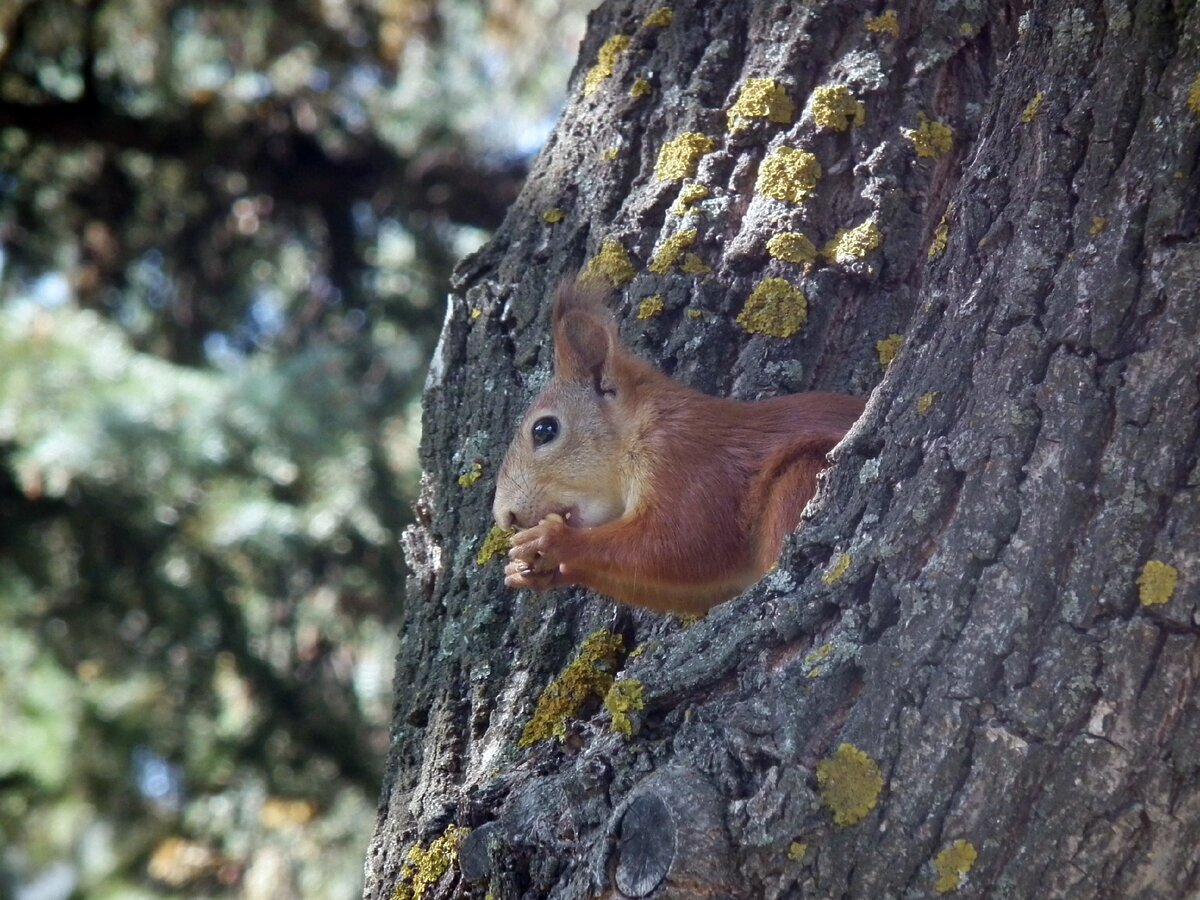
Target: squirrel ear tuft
x=583 y=349
x=585 y=338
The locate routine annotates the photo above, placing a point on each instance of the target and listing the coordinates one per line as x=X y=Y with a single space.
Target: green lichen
x=659 y=18
x=888 y=349
x=850 y=782
x=968 y=29
x=930 y=139
x=775 y=307
x=495 y=544
x=424 y=867
x=1193 y=97
x=694 y=265
x=1032 y=108
x=761 y=98
x=679 y=158
x=688 y=196
x=1157 y=583
x=472 y=475
x=789 y=175
x=952 y=866
x=850 y=244
x=650 y=307
x=611 y=266
x=640 y=88
x=671 y=251
x=792 y=247
x=925 y=402
x=695 y=314
x=625 y=696
x=833 y=106
x=590 y=675
x=796 y=851
x=840 y=567
x=888 y=23
x=553 y=216
x=606 y=60
x=941 y=237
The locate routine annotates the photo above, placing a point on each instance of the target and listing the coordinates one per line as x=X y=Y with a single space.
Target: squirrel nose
x=505 y=518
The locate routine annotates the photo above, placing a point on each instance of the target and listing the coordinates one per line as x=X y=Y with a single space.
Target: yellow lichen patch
x=641 y=88
x=625 y=696
x=472 y=475
x=1157 y=583
x=689 y=195
x=850 y=244
x=659 y=18
x=941 y=237
x=888 y=23
x=968 y=29
x=952 y=866
x=425 y=867
x=606 y=60
x=776 y=308
x=837 y=571
x=694 y=265
x=553 y=216
x=610 y=154
x=650 y=307
x=888 y=349
x=678 y=159
x=833 y=106
x=1099 y=225
x=495 y=544
x=930 y=139
x=761 y=98
x=925 y=402
x=850 y=782
x=590 y=675
x=671 y=251
x=1032 y=108
x=818 y=655
x=611 y=265
x=695 y=313
x=796 y=851
x=476 y=312
x=788 y=174
x=1193 y=97
x=793 y=247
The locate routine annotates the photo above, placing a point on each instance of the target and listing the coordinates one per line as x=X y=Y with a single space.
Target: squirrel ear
x=583 y=350
x=585 y=337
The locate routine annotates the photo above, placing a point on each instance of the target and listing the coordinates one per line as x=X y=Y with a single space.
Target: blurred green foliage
x=225 y=232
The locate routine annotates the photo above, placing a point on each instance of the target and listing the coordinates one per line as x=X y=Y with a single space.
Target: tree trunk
x=962 y=676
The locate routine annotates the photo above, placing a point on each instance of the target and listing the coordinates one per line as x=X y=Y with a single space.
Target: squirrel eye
x=544 y=430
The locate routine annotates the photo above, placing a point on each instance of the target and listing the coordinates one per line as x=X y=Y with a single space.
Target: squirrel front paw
x=536 y=555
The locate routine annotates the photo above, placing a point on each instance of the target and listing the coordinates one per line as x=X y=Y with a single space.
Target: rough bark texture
x=963 y=606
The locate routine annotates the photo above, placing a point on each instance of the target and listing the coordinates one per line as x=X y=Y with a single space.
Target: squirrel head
x=572 y=451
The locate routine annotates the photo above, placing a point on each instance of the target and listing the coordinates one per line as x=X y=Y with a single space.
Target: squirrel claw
x=519 y=576
x=536 y=551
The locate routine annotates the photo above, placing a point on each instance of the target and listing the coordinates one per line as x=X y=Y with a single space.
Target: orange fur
x=679 y=500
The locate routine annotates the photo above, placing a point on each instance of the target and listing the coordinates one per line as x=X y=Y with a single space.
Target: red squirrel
x=627 y=482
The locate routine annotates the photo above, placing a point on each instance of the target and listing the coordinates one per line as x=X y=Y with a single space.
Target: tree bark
x=972 y=606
